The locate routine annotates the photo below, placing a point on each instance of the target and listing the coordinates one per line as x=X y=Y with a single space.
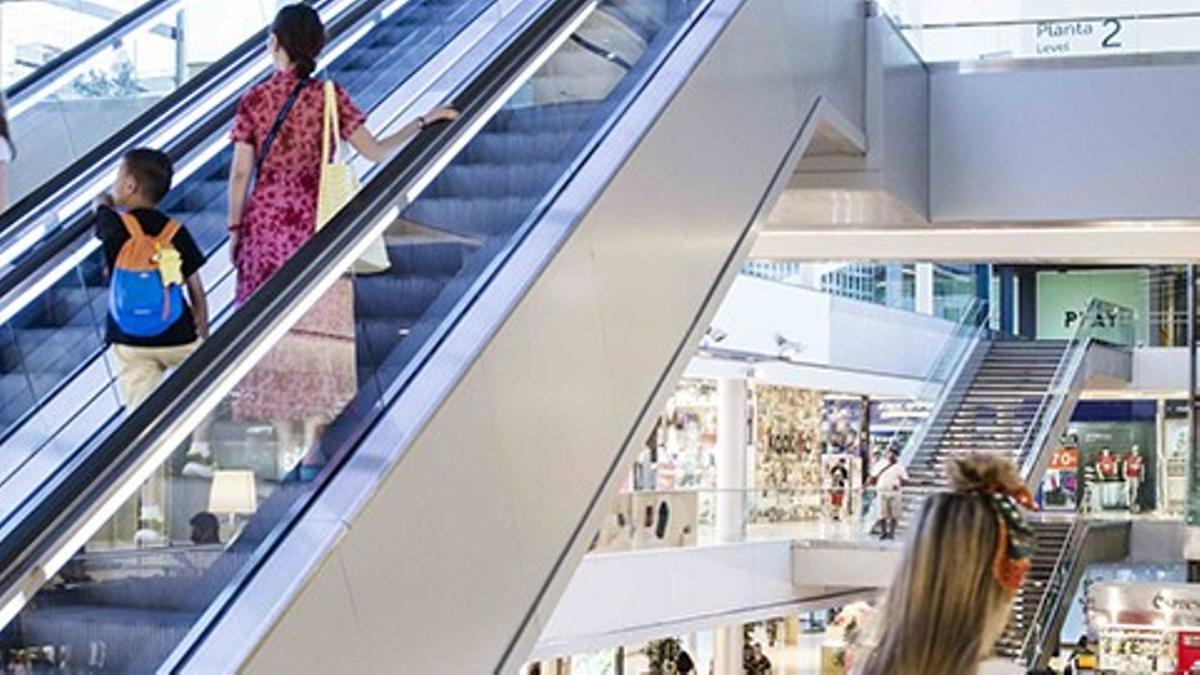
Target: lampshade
x=233 y=491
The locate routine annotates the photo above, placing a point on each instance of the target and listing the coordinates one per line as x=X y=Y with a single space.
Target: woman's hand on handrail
x=377 y=149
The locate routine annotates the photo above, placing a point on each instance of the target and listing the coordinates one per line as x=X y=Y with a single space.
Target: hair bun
x=979 y=472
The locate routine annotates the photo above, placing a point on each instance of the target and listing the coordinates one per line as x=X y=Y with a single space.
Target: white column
x=731 y=459
x=924 y=300
x=727 y=651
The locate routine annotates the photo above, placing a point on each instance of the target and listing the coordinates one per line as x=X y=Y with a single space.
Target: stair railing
x=942 y=377
x=940 y=380
x=1101 y=321
x=1053 y=593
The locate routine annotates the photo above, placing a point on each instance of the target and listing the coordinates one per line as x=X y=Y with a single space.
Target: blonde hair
x=946 y=608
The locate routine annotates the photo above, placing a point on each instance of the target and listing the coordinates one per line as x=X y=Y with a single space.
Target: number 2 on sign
x=1110 y=40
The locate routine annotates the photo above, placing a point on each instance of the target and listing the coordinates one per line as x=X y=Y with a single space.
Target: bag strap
x=168 y=233
x=132 y=226
x=283 y=113
x=331 y=132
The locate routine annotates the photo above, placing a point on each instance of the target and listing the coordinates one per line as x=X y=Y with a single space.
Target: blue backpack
x=141 y=302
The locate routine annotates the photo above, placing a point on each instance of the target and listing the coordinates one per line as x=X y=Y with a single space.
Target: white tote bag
x=339 y=185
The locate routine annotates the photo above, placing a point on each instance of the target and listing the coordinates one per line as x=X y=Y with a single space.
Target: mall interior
x=775 y=249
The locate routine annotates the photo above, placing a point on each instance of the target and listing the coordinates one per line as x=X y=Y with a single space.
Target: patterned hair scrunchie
x=1014 y=545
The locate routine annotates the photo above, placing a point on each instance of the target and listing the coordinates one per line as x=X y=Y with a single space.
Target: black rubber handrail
x=48 y=72
x=46 y=520
x=99 y=160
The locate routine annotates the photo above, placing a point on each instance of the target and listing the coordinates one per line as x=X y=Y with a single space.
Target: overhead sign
x=1073 y=38
x=1148 y=605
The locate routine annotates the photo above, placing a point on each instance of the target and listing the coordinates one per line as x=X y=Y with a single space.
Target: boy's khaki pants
x=141 y=369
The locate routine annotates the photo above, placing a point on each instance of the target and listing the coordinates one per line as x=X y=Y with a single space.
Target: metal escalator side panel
x=471 y=500
x=92 y=489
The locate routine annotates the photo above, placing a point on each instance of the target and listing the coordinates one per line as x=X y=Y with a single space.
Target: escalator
x=417 y=491
x=1033 y=635
x=70 y=105
x=56 y=384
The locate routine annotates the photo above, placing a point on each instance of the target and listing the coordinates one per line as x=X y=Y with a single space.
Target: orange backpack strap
x=132 y=226
x=165 y=237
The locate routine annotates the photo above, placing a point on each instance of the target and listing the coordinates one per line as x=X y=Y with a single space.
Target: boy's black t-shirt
x=112 y=235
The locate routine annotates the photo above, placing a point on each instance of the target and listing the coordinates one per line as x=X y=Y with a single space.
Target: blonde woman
x=966 y=558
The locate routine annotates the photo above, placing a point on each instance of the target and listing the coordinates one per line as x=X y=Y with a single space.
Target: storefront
x=1174 y=453
x=1060 y=486
x=1062 y=297
x=1149 y=628
x=1108 y=460
x=892 y=422
x=679 y=453
x=808 y=455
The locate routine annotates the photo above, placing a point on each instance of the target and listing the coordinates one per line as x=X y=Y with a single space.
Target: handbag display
x=339 y=185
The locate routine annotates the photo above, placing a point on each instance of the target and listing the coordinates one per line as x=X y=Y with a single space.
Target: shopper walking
x=759 y=663
x=839 y=478
x=684 y=664
x=8 y=152
x=967 y=557
x=890 y=488
x=1083 y=659
x=308 y=378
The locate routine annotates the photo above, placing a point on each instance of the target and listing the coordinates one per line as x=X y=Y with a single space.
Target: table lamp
x=233 y=492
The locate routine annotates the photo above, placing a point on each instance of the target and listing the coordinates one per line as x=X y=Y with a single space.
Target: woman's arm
x=239 y=182
x=376 y=149
x=199 y=301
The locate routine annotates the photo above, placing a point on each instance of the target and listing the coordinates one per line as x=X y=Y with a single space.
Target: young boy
x=143 y=180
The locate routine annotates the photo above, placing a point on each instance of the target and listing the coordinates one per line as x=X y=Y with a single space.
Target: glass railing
x=73 y=107
x=940 y=379
x=1054 y=593
x=56 y=387
x=664 y=519
x=278 y=399
x=42 y=34
x=965 y=32
x=1101 y=322
x=1165 y=288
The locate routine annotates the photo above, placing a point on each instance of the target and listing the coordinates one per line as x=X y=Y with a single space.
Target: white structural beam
x=1132 y=243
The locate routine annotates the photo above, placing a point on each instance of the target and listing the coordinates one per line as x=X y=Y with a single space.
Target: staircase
x=1051 y=536
x=992 y=414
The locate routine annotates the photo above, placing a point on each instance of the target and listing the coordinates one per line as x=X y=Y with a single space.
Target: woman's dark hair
x=5 y=134
x=300 y=34
x=206 y=529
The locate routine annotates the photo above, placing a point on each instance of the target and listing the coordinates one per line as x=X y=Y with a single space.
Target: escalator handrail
x=49 y=72
x=33 y=207
x=80 y=486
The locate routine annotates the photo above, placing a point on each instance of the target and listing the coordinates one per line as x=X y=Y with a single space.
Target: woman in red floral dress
x=310 y=375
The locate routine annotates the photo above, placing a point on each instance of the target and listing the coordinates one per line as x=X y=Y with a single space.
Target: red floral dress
x=281 y=213
x=311 y=372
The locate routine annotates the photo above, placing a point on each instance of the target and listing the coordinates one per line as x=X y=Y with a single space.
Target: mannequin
x=1106 y=465
x=1135 y=469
